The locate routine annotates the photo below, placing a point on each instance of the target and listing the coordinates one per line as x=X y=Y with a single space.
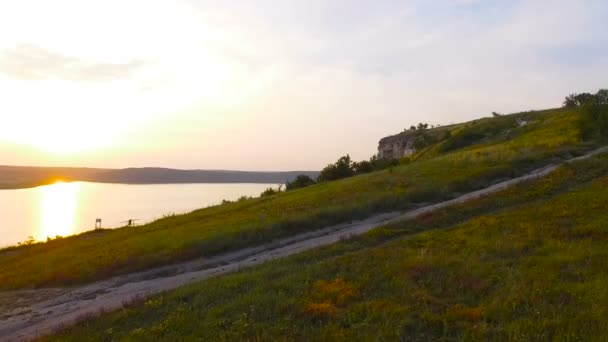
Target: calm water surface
x=69 y=208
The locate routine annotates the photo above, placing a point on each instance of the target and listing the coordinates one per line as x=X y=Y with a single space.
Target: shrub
x=594 y=123
x=301 y=181
x=576 y=100
x=422 y=140
x=584 y=99
x=30 y=241
x=477 y=132
x=343 y=168
x=270 y=192
x=422 y=126
x=463 y=139
x=381 y=163
x=363 y=167
x=602 y=97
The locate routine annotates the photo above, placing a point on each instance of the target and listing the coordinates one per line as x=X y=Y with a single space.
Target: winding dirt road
x=27 y=314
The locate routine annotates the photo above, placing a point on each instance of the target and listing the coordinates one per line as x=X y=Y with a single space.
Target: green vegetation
x=489 y=129
x=595 y=122
x=300 y=182
x=270 y=192
x=527 y=263
x=423 y=137
x=344 y=167
x=435 y=174
x=583 y=99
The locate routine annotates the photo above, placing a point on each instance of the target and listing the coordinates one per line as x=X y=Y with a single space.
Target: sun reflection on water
x=58 y=206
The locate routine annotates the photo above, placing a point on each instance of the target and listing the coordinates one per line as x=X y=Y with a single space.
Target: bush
x=477 y=132
x=381 y=163
x=30 y=241
x=363 y=167
x=602 y=97
x=422 y=140
x=594 y=123
x=586 y=99
x=301 y=181
x=270 y=192
x=343 y=168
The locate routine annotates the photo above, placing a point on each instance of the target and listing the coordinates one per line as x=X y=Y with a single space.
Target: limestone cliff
x=397 y=146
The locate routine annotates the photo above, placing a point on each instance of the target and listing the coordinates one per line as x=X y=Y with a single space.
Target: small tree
x=595 y=121
x=577 y=100
x=341 y=169
x=601 y=97
x=363 y=167
x=422 y=126
x=271 y=191
x=30 y=241
x=570 y=102
x=382 y=163
x=301 y=181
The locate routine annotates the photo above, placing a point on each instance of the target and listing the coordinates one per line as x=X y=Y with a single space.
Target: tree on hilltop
x=577 y=100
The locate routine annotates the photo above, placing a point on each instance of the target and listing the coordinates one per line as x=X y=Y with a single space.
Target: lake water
x=69 y=208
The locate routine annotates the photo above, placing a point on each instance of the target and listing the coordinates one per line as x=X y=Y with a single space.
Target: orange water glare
x=58 y=206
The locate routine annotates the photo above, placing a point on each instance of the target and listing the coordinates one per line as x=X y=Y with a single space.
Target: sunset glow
x=303 y=170
x=58 y=206
x=195 y=84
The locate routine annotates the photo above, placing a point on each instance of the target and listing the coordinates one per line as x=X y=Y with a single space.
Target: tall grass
x=548 y=137
x=527 y=263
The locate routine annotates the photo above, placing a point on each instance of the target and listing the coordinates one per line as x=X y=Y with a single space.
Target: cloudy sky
x=275 y=85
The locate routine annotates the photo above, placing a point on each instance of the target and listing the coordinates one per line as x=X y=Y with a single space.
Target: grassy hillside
x=437 y=173
x=527 y=263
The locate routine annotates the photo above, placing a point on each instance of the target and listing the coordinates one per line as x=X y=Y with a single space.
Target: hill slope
x=435 y=174
x=526 y=263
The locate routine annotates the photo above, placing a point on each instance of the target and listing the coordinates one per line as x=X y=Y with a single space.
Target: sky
x=275 y=85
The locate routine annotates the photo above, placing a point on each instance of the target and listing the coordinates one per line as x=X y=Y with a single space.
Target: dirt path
x=27 y=314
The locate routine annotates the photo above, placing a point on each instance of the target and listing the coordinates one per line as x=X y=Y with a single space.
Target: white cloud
x=31 y=62
x=295 y=84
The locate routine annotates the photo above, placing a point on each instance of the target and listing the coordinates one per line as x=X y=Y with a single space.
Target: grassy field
x=491 y=149
x=527 y=263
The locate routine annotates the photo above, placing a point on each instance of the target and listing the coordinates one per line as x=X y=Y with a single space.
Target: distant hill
x=16 y=177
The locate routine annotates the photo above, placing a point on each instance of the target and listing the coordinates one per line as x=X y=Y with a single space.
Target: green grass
x=434 y=176
x=527 y=263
